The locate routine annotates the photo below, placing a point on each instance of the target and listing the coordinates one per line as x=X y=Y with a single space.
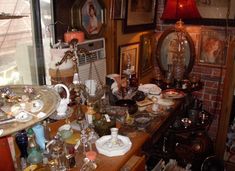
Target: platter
x=24 y=105
x=173 y=94
x=147 y=88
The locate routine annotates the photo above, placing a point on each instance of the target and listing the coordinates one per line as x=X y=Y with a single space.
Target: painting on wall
x=118 y=9
x=129 y=53
x=215 y=11
x=89 y=16
x=140 y=16
x=212 y=48
x=146 y=53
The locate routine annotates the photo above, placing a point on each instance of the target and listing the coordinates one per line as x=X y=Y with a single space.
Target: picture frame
x=118 y=9
x=146 y=53
x=216 y=11
x=164 y=43
x=140 y=16
x=212 y=48
x=213 y=13
x=130 y=51
x=89 y=17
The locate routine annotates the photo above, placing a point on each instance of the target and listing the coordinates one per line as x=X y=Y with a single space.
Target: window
x=23 y=40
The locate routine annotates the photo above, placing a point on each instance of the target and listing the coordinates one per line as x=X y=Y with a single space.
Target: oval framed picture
x=89 y=17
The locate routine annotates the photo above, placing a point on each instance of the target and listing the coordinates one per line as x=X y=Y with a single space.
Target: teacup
x=65 y=131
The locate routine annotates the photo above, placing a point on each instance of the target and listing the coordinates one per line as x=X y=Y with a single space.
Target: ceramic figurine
x=63 y=105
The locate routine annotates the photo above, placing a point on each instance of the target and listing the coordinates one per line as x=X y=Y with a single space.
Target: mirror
x=164 y=52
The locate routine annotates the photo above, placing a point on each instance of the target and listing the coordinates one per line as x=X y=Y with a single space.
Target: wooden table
x=116 y=163
x=138 y=138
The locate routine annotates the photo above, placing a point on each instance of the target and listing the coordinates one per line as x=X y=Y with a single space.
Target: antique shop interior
x=109 y=85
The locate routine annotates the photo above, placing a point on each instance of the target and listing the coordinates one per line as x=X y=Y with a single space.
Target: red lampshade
x=180 y=9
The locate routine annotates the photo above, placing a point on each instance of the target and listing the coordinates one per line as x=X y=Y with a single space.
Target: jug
x=63 y=105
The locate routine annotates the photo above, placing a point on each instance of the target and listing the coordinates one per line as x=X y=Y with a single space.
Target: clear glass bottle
x=90 y=161
x=90 y=114
x=34 y=155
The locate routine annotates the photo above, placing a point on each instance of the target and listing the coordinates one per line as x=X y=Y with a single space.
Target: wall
x=212 y=77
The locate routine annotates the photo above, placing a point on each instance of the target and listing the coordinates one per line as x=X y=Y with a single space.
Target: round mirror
x=167 y=50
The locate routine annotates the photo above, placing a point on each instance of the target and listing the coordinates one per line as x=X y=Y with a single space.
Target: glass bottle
x=34 y=156
x=21 y=139
x=90 y=161
x=90 y=114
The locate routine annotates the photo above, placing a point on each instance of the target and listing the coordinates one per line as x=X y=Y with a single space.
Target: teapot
x=63 y=105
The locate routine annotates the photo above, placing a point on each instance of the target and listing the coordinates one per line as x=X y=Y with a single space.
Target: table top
x=138 y=139
x=115 y=163
x=48 y=96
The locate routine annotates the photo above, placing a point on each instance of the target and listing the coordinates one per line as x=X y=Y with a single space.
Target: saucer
x=23 y=116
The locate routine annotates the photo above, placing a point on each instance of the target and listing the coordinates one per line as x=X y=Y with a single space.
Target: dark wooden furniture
x=229 y=85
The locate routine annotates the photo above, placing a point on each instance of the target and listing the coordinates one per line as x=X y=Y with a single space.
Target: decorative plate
x=173 y=94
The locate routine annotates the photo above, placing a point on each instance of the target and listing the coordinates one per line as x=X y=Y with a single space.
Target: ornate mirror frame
x=162 y=50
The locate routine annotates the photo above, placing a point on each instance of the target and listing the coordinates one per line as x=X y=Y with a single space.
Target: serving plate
x=147 y=88
x=36 y=102
x=173 y=94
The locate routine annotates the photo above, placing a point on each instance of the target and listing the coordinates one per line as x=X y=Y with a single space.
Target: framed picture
x=129 y=53
x=213 y=12
x=212 y=48
x=140 y=15
x=88 y=16
x=118 y=9
x=167 y=51
x=146 y=53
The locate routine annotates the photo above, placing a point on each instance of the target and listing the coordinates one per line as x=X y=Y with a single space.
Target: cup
x=65 y=131
x=91 y=86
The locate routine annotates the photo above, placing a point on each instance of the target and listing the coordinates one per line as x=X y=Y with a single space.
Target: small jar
x=90 y=161
x=90 y=114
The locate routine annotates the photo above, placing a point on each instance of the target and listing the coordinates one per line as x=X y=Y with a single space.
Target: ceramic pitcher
x=63 y=105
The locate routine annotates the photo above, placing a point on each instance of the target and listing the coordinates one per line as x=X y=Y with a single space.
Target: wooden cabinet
x=229 y=85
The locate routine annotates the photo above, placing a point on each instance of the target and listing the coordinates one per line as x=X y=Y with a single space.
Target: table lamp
x=179 y=10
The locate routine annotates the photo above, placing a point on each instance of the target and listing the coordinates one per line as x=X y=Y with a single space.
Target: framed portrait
x=129 y=53
x=118 y=9
x=88 y=16
x=147 y=42
x=212 y=49
x=216 y=11
x=140 y=15
x=167 y=48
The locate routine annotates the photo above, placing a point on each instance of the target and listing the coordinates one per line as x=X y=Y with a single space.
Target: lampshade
x=180 y=9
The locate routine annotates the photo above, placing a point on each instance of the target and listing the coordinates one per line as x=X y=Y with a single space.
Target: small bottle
x=90 y=114
x=91 y=162
x=47 y=131
x=34 y=156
